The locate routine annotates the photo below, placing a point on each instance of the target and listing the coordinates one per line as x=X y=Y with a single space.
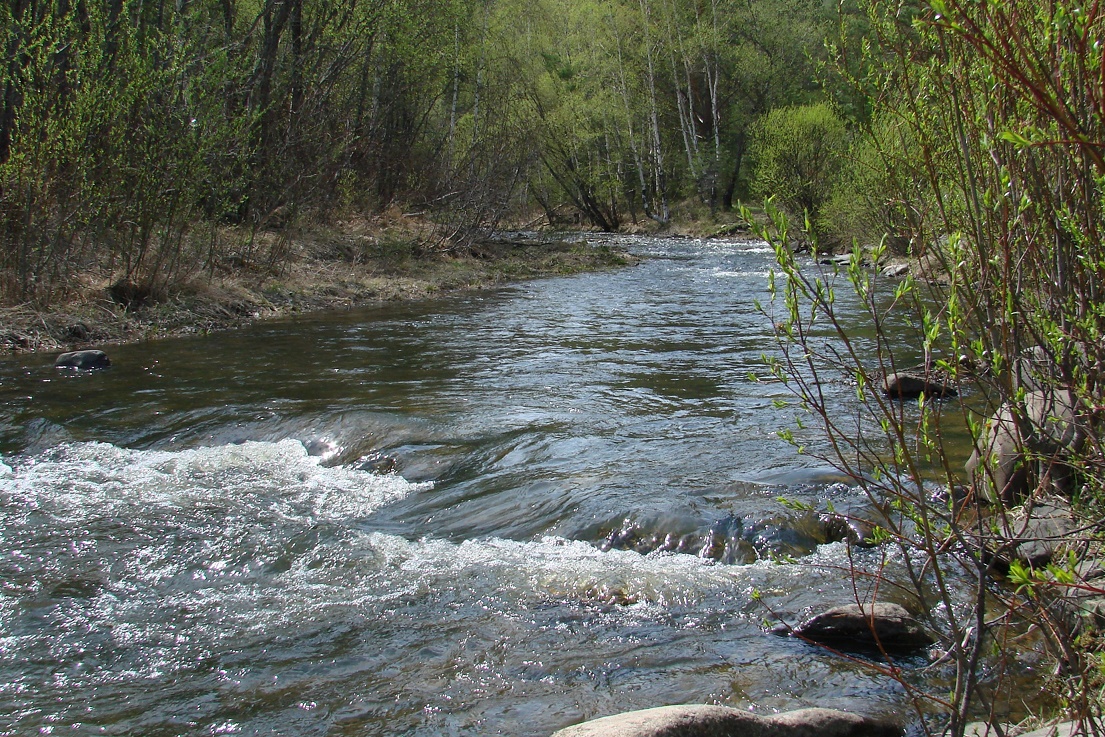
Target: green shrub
x=880 y=190
x=799 y=152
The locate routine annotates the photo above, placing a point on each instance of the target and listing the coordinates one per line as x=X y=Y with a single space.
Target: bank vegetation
x=144 y=144
x=983 y=147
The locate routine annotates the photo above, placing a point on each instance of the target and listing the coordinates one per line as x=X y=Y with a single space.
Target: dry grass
x=342 y=266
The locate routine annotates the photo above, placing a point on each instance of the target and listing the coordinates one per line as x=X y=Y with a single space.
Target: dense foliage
x=981 y=154
x=133 y=132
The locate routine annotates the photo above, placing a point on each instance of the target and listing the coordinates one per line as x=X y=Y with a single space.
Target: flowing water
x=498 y=513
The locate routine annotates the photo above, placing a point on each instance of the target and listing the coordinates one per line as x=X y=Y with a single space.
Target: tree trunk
x=633 y=147
x=275 y=18
x=657 y=159
x=684 y=97
x=735 y=171
x=297 y=57
x=10 y=102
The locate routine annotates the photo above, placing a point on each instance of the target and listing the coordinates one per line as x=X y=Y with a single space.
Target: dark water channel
x=461 y=517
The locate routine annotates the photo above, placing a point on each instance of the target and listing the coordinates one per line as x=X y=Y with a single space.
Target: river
x=456 y=517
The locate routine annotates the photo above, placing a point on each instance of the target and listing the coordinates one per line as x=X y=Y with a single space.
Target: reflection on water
x=499 y=513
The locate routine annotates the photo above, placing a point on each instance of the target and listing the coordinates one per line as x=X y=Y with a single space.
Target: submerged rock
x=83 y=360
x=721 y=721
x=880 y=625
x=841 y=528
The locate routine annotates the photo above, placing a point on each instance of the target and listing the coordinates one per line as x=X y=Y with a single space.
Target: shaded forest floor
x=331 y=268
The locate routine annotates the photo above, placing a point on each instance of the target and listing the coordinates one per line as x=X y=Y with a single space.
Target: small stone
x=893 y=271
x=78 y=331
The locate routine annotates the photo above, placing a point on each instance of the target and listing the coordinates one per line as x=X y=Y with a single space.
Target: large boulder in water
x=83 y=360
x=871 y=627
x=721 y=721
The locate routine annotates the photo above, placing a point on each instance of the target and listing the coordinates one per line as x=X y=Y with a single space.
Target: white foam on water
x=79 y=480
x=256 y=485
x=740 y=274
x=548 y=570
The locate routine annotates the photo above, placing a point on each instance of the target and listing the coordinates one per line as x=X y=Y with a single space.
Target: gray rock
x=1029 y=446
x=83 y=360
x=1081 y=607
x=721 y=721
x=1033 y=370
x=1061 y=729
x=893 y=271
x=1064 y=729
x=1034 y=536
x=884 y=625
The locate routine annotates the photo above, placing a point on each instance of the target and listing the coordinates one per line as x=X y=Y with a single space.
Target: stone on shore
x=895 y=270
x=83 y=360
x=721 y=721
x=1025 y=447
x=874 y=626
x=1062 y=729
x=1035 y=536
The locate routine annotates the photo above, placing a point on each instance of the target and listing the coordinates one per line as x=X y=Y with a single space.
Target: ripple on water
x=174 y=580
x=147 y=589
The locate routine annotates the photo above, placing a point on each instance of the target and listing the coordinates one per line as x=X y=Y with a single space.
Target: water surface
x=498 y=513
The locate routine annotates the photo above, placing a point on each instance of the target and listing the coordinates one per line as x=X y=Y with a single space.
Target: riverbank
x=343 y=267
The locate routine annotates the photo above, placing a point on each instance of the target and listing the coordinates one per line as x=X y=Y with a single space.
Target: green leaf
x=1015 y=138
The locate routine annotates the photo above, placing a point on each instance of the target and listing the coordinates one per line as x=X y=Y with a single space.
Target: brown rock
x=912 y=384
x=83 y=360
x=888 y=626
x=721 y=721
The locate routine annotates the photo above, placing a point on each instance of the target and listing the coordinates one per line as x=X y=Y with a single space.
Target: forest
x=149 y=140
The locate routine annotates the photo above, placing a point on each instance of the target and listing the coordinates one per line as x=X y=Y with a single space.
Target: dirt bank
x=326 y=270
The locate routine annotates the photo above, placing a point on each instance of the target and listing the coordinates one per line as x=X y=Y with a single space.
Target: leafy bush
x=881 y=189
x=999 y=185
x=799 y=154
